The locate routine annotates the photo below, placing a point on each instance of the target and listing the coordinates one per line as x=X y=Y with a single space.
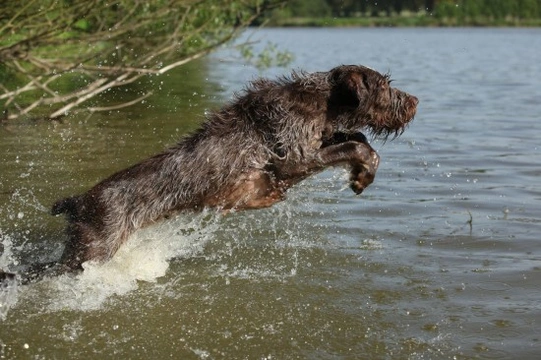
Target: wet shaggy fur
x=244 y=156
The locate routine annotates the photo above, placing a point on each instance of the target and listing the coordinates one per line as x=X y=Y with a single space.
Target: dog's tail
x=68 y=206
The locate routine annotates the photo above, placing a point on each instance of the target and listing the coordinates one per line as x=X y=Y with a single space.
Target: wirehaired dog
x=244 y=156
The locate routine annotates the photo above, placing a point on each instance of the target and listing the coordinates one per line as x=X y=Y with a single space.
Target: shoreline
x=403 y=21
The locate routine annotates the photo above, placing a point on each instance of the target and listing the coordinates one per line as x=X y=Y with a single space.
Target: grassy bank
x=403 y=21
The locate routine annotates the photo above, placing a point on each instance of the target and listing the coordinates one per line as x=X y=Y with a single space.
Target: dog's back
x=245 y=156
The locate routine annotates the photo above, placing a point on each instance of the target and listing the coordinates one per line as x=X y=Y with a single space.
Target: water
x=439 y=258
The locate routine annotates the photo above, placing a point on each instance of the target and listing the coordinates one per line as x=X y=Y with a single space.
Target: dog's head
x=361 y=98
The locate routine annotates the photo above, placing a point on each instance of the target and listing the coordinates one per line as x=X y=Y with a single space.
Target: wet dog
x=244 y=156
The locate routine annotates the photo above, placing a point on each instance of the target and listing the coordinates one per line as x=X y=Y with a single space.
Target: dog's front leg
x=341 y=137
x=359 y=155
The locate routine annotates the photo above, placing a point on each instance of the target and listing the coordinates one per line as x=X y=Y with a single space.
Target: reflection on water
x=437 y=259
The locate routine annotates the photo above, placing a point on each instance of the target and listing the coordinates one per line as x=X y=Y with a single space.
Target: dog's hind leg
x=253 y=190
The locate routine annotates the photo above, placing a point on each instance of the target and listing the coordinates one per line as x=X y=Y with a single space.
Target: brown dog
x=244 y=156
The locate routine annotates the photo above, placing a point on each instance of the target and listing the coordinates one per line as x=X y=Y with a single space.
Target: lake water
x=440 y=258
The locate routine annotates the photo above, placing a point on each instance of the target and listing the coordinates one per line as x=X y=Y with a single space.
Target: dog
x=244 y=156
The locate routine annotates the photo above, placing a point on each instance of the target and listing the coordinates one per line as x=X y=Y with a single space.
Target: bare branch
x=120 y=106
x=61 y=54
x=34 y=81
x=89 y=89
x=116 y=82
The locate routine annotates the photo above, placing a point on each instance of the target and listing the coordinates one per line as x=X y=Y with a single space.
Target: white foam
x=6 y=257
x=8 y=298
x=8 y=291
x=145 y=257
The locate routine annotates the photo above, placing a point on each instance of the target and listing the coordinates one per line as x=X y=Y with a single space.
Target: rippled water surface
x=439 y=259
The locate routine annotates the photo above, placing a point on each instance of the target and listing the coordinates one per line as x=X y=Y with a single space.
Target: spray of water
x=145 y=257
x=8 y=290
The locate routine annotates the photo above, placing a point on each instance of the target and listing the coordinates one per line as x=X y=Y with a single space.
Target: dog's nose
x=413 y=100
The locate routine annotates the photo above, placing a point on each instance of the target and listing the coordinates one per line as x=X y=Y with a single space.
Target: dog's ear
x=347 y=88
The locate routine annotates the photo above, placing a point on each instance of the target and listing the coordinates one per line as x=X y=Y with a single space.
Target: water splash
x=6 y=251
x=8 y=297
x=8 y=289
x=145 y=257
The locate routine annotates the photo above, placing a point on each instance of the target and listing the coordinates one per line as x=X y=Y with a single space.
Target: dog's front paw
x=361 y=177
x=363 y=174
x=360 y=180
x=357 y=187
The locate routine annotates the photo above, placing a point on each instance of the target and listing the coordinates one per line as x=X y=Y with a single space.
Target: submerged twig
x=470 y=221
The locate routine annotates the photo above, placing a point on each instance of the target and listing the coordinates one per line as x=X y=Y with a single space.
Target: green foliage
x=529 y=9
x=431 y=12
x=59 y=53
x=268 y=57
x=483 y=10
x=309 y=8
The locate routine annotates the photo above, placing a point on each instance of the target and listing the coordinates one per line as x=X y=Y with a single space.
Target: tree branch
x=120 y=106
x=47 y=47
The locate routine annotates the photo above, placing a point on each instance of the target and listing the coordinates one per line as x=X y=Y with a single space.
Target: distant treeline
x=495 y=9
x=428 y=12
x=353 y=8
